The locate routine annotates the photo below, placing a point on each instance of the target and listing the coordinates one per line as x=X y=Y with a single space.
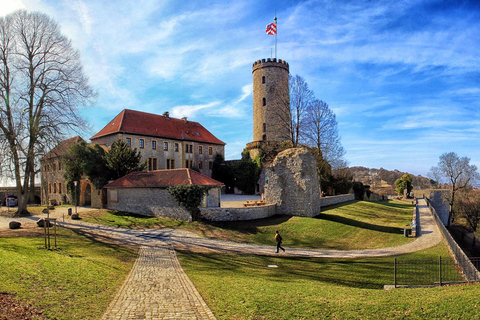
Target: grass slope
x=355 y=225
x=243 y=287
x=76 y=281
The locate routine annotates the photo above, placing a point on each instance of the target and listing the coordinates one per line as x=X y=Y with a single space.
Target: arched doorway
x=88 y=195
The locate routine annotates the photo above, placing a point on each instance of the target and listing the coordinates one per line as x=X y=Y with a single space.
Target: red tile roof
x=62 y=147
x=148 y=124
x=163 y=178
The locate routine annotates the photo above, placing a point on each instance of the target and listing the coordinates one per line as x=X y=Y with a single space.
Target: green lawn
x=244 y=287
x=77 y=281
x=355 y=225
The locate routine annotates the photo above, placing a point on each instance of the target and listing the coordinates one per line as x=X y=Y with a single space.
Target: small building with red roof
x=146 y=193
x=163 y=141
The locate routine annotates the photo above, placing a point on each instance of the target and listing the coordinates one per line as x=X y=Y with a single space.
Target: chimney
x=184 y=119
x=166 y=114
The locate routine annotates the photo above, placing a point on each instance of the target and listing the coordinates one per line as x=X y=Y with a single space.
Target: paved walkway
x=157 y=286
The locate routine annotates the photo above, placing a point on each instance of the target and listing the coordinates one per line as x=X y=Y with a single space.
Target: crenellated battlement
x=270 y=62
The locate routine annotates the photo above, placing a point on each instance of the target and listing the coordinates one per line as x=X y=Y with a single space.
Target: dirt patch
x=13 y=309
x=27 y=232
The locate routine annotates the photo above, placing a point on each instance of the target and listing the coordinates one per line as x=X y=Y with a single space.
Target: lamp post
x=76 y=195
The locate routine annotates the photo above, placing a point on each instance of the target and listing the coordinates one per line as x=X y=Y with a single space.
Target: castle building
x=271 y=102
x=53 y=182
x=164 y=142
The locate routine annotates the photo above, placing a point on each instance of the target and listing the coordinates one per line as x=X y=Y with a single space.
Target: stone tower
x=271 y=102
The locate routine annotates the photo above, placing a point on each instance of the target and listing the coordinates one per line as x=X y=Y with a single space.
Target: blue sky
x=403 y=77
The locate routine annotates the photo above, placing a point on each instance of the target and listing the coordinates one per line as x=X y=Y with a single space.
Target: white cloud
x=9 y=6
x=191 y=110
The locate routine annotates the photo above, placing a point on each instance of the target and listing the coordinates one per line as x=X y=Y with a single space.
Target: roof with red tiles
x=154 y=125
x=163 y=179
x=63 y=147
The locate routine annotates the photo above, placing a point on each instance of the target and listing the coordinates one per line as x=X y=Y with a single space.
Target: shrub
x=188 y=196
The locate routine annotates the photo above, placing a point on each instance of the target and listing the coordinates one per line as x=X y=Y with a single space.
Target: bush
x=189 y=196
x=359 y=190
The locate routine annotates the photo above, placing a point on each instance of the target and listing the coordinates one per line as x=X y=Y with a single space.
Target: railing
x=470 y=272
x=426 y=272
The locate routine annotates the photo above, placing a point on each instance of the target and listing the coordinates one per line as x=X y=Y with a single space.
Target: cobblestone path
x=158 y=288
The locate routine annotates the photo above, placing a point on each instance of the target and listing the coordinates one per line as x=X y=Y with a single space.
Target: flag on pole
x=271 y=28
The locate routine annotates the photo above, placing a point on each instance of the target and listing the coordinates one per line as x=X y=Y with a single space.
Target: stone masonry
x=292 y=183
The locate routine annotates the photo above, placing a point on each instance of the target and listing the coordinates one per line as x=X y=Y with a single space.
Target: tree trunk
x=22 y=198
x=31 y=197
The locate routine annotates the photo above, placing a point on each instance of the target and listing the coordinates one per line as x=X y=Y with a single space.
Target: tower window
x=264 y=101
x=264 y=137
x=263 y=79
x=264 y=127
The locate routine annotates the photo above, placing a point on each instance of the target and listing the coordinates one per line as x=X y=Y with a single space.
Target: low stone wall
x=328 y=201
x=154 y=202
x=238 y=214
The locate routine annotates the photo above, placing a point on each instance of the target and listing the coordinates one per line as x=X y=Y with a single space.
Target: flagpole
x=276 y=31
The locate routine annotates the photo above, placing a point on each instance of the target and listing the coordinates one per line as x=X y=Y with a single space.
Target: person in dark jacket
x=278 y=238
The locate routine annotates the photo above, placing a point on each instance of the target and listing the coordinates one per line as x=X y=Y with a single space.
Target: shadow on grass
x=249 y=226
x=358 y=224
x=358 y=273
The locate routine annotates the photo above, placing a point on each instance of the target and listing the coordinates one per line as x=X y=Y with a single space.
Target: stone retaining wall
x=328 y=201
x=437 y=198
x=154 y=202
x=238 y=214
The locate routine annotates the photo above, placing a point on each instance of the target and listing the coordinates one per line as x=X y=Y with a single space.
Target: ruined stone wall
x=292 y=183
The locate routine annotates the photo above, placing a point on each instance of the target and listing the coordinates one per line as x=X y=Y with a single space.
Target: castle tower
x=271 y=102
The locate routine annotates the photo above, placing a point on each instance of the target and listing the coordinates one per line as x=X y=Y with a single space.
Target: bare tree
x=459 y=174
x=41 y=86
x=300 y=99
x=468 y=207
x=321 y=130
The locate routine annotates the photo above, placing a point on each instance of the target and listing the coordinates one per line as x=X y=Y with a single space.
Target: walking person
x=278 y=238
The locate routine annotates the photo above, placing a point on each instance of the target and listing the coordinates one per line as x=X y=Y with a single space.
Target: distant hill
x=382 y=181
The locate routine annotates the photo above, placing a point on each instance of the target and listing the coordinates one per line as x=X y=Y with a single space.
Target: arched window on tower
x=264 y=101
x=264 y=127
x=264 y=137
x=263 y=79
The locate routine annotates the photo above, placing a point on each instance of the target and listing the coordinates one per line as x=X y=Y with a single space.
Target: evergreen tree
x=95 y=167
x=121 y=159
x=73 y=162
x=405 y=180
